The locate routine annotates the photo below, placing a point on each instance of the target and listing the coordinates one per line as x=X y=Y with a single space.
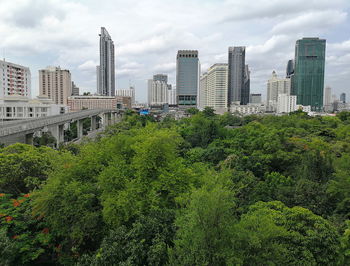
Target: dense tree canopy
x=204 y=190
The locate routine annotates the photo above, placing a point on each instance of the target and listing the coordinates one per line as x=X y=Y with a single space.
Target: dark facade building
x=161 y=78
x=343 y=98
x=236 y=75
x=246 y=87
x=187 y=77
x=106 y=70
x=290 y=68
x=308 y=78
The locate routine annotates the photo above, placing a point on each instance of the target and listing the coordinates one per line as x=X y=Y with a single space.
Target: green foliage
x=24 y=168
x=205 y=190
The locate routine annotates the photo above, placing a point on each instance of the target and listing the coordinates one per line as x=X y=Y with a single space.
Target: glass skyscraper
x=106 y=70
x=309 y=68
x=237 y=76
x=187 y=77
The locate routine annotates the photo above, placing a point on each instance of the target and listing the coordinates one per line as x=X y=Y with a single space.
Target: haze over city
x=147 y=35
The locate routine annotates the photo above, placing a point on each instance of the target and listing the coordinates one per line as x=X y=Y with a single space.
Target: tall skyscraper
x=213 y=91
x=106 y=77
x=246 y=86
x=14 y=80
x=308 y=78
x=343 y=98
x=187 y=77
x=56 y=84
x=236 y=75
x=290 y=68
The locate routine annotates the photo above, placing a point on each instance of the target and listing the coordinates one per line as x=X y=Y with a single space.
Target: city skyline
x=50 y=40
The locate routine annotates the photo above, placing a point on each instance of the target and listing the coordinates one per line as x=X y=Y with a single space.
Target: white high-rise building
x=328 y=103
x=171 y=95
x=14 y=80
x=213 y=90
x=157 y=92
x=286 y=103
x=127 y=93
x=276 y=86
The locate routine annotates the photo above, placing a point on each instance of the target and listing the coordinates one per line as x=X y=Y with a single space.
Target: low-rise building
x=77 y=103
x=16 y=107
x=248 y=109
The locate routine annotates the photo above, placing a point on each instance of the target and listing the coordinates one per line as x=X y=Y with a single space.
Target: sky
x=148 y=33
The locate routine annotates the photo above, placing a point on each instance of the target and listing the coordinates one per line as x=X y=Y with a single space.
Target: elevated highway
x=23 y=131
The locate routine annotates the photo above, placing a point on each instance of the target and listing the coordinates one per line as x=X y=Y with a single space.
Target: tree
x=205 y=225
x=24 y=167
x=273 y=234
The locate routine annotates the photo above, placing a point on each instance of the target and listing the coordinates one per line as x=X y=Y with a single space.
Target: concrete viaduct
x=23 y=131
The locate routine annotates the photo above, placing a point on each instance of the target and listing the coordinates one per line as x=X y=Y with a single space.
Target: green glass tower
x=308 y=78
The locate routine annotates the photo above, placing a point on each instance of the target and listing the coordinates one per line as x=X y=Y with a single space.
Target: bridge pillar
x=93 y=122
x=58 y=132
x=80 y=128
x=106 y=120
x=29 y=138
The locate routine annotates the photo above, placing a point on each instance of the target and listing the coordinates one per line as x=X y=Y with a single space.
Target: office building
x=187 y=78
x=157 y=93
x=246 y=86
x=127 y=93
x=77 y=103
x=213 y=90
x=308 y=78
x=290 y=69
x=328 y=99
x=14 y=80
x=161 y=77
x=255 y=98
x=343 y=98
x=75 y=89
x=106 y=75
x=56 y=84
x=286 y=103
x=237 y=76
x=276 y=86
x=171 y=95
x=203 y=91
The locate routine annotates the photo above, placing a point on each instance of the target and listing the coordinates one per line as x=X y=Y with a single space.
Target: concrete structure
x=246 y=86
x=236 y=75
x=308 y=78
x=328 y=99
x=187 y=78
x=161 y=77
x=106 y=76
x=14 y=80
x=157 y=92
x=286 y=103
x=16 y=107
x=23 y=131
x=213 y=90
x=75 y=89
x=171 y=95
x=56 y=84
x=247 y=109
x=127 y=93
x=276 y=86
x=255 y=98
x=78 y=103
x=343 y=98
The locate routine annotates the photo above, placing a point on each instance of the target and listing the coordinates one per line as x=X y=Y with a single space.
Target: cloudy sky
x=148 y=33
